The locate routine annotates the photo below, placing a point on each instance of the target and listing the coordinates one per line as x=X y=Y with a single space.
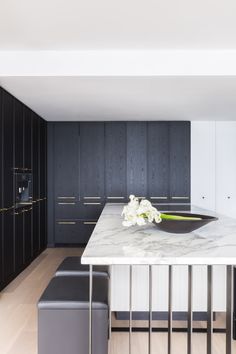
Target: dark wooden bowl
x=184 y=226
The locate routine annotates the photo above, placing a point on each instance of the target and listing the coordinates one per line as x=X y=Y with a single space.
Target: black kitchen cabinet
x=19 y=135
x=73 y=231
x=36 y=228
x=92 y=161
x=28 y=235
x=66 y=160
x=8 y=246
x=43 y=225
x=1 y=192
x=19 y=240
x=8 y=149
x=27 y=138
x=16 y=224
x=35 y=156
x=66 y=209
x=179 y=162
x=137 y=158
x=115 y=161
x=8 y=186
x=158 y=162
x=43 y=157
x=1 y=250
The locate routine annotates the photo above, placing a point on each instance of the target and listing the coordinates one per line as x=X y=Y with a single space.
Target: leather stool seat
x=63 y=316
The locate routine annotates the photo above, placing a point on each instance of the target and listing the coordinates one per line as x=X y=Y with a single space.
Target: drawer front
x=90 y=210
x=67 y=231
x=87 y=227
x=179 y=207
x=66 y=210
x=73 y=231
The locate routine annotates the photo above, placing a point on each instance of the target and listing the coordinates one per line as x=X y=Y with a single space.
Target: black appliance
x=23 y=189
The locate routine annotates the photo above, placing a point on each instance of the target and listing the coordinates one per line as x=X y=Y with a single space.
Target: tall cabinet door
x=137 y=158
x=66 y=141
x=1 y=192
x=19 y=163
x=36 y=191
x=8 y=197
x=92 y=160
x=115 y=160
x=19 y=134
x=158 y=162
x=27 y=235
x=27 y=138
x=203 y=164
x=226 y=168
x=42 y=175
x=179 y=162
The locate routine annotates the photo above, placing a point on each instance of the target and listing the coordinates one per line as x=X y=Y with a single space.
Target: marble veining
x=112 y=243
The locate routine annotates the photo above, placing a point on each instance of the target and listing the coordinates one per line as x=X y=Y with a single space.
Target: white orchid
x=138 y=213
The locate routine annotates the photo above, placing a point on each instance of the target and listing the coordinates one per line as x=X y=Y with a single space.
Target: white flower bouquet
x=139 y=213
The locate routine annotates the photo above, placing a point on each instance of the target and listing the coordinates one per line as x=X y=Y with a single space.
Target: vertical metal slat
x=229 y=309
x=130 y=309
x=190 y=313
x=170 y=311
x=90 y=306
x=109 y=300
x=209 y=310
x=150 y=311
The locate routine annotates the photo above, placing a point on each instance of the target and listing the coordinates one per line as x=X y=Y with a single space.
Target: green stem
x=178 y=217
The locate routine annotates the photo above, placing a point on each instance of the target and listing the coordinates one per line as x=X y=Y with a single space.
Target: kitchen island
x=214 y=244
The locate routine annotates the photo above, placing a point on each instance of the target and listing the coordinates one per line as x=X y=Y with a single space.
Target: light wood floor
x=18 y=316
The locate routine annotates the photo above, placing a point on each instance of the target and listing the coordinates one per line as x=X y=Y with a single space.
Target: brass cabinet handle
x=92 y=197
x=2 y=210
x=90 y=222
x=179 y=197
x=66 y=222
x=65 y=198
x=25 y=203
x=92 y=203
x=26 y=210
x=66 y=203
x=115 y=197
x=158 y=198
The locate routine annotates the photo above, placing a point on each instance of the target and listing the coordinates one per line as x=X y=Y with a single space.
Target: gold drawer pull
x=159 y=198
x=92 y=203
x=65 y=197
x=66 y=222
x=65 y=203
x=90 y=222
x=115 y=197
x=92 y=197
x=3 y=209
x=179 y=197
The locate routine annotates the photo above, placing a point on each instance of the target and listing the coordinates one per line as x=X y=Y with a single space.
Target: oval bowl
x=184 y=226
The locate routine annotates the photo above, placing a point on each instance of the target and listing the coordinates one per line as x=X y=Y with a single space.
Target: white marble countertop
x=111 y=243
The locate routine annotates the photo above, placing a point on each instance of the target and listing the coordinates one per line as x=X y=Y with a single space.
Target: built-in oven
x=23 y=189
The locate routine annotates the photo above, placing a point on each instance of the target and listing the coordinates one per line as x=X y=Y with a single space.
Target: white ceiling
x=109 y=24
x=127 y=98
x=106 y=26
